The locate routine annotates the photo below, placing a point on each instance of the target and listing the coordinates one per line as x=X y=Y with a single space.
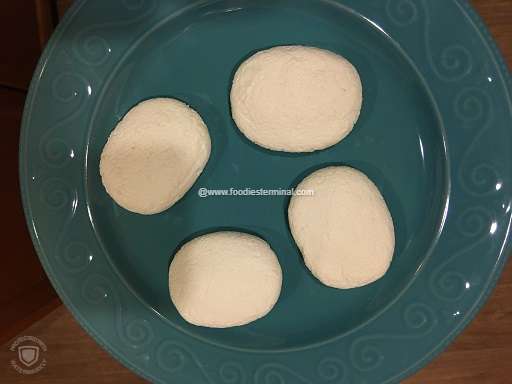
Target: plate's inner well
x=397 y=142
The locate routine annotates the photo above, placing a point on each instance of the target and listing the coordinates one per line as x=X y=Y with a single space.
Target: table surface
x=480 y=355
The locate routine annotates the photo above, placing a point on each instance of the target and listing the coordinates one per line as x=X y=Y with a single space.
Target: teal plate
x=434 y=135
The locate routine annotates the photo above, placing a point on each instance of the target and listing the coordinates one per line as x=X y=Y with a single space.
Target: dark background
x=481 y=355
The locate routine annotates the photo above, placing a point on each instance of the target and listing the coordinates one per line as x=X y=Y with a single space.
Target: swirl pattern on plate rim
x=472 y=105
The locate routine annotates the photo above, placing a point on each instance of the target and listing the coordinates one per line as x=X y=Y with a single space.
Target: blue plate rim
x=505 y=250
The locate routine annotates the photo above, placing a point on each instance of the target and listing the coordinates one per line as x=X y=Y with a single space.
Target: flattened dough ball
x=154 y=155
x=224 y=279
x=296 y=98
x=344 y=231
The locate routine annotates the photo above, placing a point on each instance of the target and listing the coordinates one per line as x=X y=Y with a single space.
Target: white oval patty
x=344 y=231
x=154 y=155
x=224 y=279
x=296 y=98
